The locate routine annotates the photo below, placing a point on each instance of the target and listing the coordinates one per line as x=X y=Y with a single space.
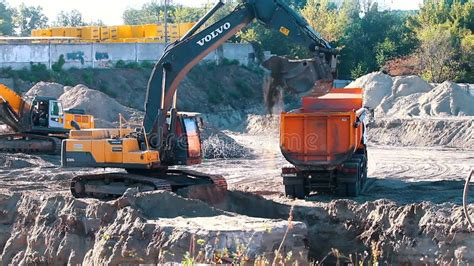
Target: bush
x=133 y=65
x=244 y=88
x=147 y=64
x=88 y=77
x=120 y=64
x=58 y=66
x=38 y=72
x=227 y=62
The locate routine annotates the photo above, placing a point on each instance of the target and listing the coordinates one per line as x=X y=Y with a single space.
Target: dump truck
x=325 y=143
x=37 y=124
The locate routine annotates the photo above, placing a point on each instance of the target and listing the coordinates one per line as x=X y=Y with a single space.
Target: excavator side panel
x=84 y=121
x=116 y=153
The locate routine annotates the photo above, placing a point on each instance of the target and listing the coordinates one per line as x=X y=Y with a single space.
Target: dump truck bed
x=325 y=131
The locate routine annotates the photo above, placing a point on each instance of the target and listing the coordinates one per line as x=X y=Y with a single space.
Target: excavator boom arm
x=179 y=57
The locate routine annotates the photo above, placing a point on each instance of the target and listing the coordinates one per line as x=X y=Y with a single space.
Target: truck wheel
x=353 y=189
x=299 y=191
x=295 y=187
x=295 y=191
x=289 y=192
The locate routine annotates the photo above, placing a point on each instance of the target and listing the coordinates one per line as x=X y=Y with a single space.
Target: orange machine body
x=325 y=131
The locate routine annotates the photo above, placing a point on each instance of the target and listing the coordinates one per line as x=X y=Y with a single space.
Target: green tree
x=71 y=18
x=443 y=28
x=149 y=13
x=439 y=54
x=373 y=38
x=28 y=18
x=6 y=19
x=182 y=14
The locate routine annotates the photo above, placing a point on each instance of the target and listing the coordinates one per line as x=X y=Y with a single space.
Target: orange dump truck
x=324 y=141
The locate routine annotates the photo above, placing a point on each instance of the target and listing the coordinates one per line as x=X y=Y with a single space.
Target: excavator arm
x=179 y=57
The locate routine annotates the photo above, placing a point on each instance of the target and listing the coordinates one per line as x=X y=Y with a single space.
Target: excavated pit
x=156 y=227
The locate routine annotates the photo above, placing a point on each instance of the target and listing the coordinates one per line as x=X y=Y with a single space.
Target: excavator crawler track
x=114 y=185
x=29 y=143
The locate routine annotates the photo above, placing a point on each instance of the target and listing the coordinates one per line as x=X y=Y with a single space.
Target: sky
x=110 y=11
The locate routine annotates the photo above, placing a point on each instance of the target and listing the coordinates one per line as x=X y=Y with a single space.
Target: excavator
x=39 y=124
x=150 y=154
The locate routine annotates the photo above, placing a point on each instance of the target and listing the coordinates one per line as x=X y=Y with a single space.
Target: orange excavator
x=169 y=138
x=39 y=124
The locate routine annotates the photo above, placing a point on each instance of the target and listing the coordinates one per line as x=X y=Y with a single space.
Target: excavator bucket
x=296 y=76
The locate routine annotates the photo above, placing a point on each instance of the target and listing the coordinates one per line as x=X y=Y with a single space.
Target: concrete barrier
x=103 y=55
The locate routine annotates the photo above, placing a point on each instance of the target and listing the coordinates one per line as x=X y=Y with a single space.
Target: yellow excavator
x=170 y=138
x=38 y=124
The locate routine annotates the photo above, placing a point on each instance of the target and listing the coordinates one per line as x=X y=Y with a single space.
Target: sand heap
x=428 y=132
x=47 y=89
x=94 y=102
x=411 y=96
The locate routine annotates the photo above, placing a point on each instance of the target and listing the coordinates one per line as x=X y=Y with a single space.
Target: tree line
x=436 y=41
x=22 y=20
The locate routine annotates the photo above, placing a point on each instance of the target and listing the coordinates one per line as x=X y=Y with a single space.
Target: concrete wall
x=102 y=55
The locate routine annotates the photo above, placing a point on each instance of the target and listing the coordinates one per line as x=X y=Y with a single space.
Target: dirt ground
x=402 y=174
x=410 y=209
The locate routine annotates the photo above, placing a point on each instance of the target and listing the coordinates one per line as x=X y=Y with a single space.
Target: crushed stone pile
x=411 y=96
x=217 y=144
x=146 y=228
x=46 y=89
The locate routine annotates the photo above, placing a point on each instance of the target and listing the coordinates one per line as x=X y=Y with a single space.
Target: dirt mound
x=56 y=229
x=411 y=96
x=96 y=103
x=376 y=87
x=447 y=99
x=47 y=89
x=404 y=96
x=434 y=234
x=454 y=132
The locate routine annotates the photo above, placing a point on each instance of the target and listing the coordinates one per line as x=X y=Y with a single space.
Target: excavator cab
x=186 y=149
x=47 y=115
